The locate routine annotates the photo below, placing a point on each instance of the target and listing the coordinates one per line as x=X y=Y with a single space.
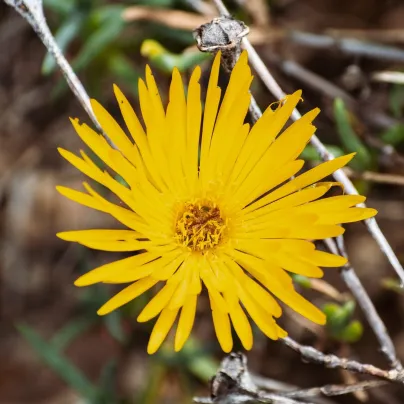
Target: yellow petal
x=91 y=171
x=264 y=321
x=113 y=269
x=126 y=295
x=304 y=180
x=222 y=326
x=112 y=129
x=139 y=136
x=209 y=115
x=332 y=203
x=214 y=294
x=292 y=141
x=241 y=325
x=82 y=236
x=297 y=266
x=130 y=245
x=158 y=303
x=292 y=200
x=296 y=302
x=261 y=136
x=161 y=329
x=81 y=198
x=194 y=117
x=180 y=295
x=130 y=274
x=97 y=143
x=324 y=259
x=316 y=232
x=256 y=292
x=168 y=270
x=185 y=322
x=347 y=216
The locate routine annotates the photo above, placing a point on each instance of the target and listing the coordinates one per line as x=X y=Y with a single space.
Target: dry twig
x=32 y=12
x=313 y=355
x=381 y=178
x=233 y=383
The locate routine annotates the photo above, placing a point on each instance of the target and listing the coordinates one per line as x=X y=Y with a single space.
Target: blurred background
x=347 y=56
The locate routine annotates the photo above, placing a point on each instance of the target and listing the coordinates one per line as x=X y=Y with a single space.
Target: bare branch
x=233 y=383
x=313 y=355
x=348 y=46
x=32 y=12
x=351 y=279
x=381 y=178
x=331 y=390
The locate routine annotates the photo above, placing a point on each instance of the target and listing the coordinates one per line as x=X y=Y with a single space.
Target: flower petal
x=160 y=330
x=126 y=295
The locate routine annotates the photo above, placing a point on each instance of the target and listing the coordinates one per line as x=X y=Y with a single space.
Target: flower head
x=209 y=204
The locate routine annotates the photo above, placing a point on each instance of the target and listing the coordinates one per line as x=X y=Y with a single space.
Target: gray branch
x=32 y=12
x=233 y=383
x=355 y=286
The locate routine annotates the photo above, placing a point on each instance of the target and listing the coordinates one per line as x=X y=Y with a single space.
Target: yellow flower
x=209 y=205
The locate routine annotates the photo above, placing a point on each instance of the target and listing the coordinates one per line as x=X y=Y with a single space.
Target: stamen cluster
x=200 y=226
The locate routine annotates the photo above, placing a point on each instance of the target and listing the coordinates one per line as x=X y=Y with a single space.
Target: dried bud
x=224 y=34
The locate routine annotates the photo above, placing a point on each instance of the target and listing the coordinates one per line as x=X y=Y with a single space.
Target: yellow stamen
x=200 y=226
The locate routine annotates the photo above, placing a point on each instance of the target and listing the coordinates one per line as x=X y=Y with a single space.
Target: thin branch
x=287 y=390
x=351 y=279
x=379 y=35
x=330 y=361
x=331 y=390
x=381 y=178
x=349 y=274
x=347 y=46
x=233 y=382
x=32 y=12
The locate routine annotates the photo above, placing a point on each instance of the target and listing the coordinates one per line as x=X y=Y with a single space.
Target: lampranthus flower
x=209 y=204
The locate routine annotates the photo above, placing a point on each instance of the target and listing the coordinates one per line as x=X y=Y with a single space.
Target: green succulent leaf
x=60 y=364
x=349 y=138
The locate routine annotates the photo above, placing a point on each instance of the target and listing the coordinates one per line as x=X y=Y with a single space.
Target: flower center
x=200 y=226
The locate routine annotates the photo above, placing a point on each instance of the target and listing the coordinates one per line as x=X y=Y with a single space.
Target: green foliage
x=70 y=332
x=340 y=324
x=102 y=42
x=302 y=281
x=393 y=284
x=105 y=25
x=166 y=61
x=53 y=358
x=124 y=71
x=350 y=140
x=394 y=135
x=198 y=361
x=396 y=100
